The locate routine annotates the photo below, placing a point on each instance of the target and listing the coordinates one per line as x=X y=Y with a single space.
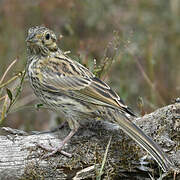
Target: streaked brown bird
x=71 y=90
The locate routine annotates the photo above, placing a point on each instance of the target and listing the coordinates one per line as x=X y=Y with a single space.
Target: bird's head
x=41 y=40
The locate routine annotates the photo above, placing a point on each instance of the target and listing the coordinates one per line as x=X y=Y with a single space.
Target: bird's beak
x=28 y=40
x=31 y=39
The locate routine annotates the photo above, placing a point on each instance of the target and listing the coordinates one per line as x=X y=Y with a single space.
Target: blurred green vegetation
x=141 y=37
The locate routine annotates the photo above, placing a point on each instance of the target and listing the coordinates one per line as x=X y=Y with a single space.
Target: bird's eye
x=47 y=36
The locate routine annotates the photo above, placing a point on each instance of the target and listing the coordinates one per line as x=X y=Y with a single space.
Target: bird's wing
x=61 y=73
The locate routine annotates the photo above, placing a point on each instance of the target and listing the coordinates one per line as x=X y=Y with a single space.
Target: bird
x=74 y=92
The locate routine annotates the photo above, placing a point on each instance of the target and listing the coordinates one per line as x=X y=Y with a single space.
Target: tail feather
x=145 y=142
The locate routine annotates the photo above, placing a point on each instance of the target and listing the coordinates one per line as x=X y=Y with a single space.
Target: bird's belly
x=62 y=103
x=67 y=104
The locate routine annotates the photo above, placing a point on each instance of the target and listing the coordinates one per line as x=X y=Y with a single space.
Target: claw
x=53 y=151
x=59 y=148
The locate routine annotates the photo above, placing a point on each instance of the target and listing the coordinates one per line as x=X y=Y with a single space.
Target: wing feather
x=66 y=75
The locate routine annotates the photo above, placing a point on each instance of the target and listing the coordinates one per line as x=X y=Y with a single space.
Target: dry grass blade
x=4 y=109
x=1 y=98
x=10 y=98
x=104 y=161
x=19 y=88
x=150 y=83
x=12 y=79
x=7 y=70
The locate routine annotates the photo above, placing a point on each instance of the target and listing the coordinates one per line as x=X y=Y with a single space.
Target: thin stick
x=9 y=67
x=151 y=84
x=12 y=79
x=144 y=74
x=1 y=98
x=104 y=160
x=4 y=108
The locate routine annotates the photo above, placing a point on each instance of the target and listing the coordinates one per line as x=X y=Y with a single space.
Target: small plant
x=8 y=96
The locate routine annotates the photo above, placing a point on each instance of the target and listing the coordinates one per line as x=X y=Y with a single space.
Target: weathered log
x=20 y=157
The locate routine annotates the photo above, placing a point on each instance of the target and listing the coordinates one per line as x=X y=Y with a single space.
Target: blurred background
x=137 y=40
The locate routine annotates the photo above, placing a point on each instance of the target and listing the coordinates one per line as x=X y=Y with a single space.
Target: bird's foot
x=59 y=148
x=53 y=150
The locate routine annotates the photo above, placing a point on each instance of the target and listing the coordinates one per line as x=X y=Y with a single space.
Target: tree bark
x=21 y=158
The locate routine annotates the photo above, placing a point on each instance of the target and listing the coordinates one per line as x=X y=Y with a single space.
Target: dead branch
x=20 y=158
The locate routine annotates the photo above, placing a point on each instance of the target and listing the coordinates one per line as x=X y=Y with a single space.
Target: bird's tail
x=145 y=142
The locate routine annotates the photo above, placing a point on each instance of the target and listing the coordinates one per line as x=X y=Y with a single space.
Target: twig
x=104 y=160
x=9 y=67
x=4 y=109
x=18 y=91
x=12 y=79
x=150 y=83
x=1 y=98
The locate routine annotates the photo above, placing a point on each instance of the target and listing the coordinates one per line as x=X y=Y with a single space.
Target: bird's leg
x=59 y=127
x=59 y=148
x=49 y=131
